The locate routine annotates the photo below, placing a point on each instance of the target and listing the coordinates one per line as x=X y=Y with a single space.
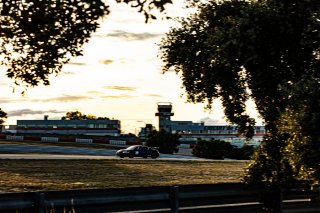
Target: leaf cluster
x=166 y=141
x=267 y=51
x=219 y=149
x=37 y=37
x=238 y=49
x=301 y=123
x=3 y=116
x=148 y=7
x=76 y=115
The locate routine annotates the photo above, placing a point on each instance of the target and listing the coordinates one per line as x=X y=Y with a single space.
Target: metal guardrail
x=69 y=138
x=83 y=140
x=14 y=138
x=218 y=198
x=49 y=139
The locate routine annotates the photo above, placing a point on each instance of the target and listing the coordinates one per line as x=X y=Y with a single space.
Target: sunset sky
x=118 y=77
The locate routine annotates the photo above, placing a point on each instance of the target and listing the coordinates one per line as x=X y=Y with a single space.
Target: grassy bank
x=34 y=175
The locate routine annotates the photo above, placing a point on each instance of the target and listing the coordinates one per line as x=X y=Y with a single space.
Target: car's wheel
x=121 y=156
x=154 y=155
x=131 y=155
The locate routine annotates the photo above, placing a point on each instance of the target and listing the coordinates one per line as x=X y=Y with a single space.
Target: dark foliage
x=214 y=149
x=218 y=149
x=76 y=115
x=260 y=50
x=167 y=142
x=3 y=116
x=241 y=153
x=148 y=6
x=39 y=37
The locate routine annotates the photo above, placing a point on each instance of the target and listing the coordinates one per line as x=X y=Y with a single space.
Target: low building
x=69 y=127
x=191 y=132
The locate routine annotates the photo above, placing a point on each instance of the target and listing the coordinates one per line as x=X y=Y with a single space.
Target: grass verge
x=35 y=175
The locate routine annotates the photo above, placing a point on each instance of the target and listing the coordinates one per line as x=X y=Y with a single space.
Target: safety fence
x=68 y=139
x=218 y=198
x=79 y=140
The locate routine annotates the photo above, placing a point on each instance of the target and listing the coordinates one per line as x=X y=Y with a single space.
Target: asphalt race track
x=23 y=151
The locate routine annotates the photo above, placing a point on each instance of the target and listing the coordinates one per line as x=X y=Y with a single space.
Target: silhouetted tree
x=213 y=149
x=39 y=37
x=3 y=116
x=76 y=115
x=219 y=149
x=239 y=50
x=167 y=142
x=301 y=122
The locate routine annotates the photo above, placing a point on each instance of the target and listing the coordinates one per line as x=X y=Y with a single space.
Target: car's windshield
x=131 y=148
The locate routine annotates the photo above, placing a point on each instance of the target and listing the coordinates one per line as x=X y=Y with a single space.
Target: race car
x=138 y=151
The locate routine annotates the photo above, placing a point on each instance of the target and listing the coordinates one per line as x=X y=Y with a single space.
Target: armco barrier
x=68 y=139
x=117 y=142
x=49 y=139
x=83 y=140
x=218 y=198
x=14 y=138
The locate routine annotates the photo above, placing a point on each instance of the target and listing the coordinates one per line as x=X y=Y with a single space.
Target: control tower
x=164 y=113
